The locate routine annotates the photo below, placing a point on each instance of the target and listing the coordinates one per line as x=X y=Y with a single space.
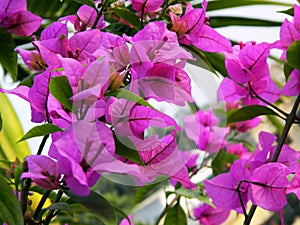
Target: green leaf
x=223 y=21
x=28 y=81
x=221 y=162
x=60 y=88
x=17 y=174
x=11 y=130
x=293 y=55
x=128 y=16
x=287 y=69
x=97 y=204
x=41 y=130
x=86 y=2
x=143 y=192
x=120 y=211
x=8 y=56
x=223 y=4
x=51 y=10
x=248 y=113
x=0 y=122
x=123 y=93
x=176 y=216
x=218 y=62
x=126 y=148
x=197 y=194
x=10 y=211
x=202 y=61
x=289 y=11
x=61 y=206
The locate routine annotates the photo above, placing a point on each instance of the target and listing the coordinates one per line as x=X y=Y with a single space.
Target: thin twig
x=289 y=122
x=51 y=213
x=41 y=204
x=168 y=206
x=267 y=102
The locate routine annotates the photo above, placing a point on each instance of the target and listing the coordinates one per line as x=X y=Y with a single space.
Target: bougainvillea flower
x=223 y=189
x=290 y=31
x=190 y=160
x=188 y=26
x=239 y=150
x=208 y=215
x=15 y=18
x=21 y=91
x=248 y=62
x=93 y=83
x=161 y=158
x=288 y=156
x=142 y=117
x=268 y=184
x=83 y=44
x=191 y=28
x=242 y=126
x=230 y=91
x=164 y=82
x=146 y=6
x=202 y=128
x=43 y=171
x=37 y=95
x=292 y=87
x=86 y=17
x=145 y=54
x=79 y=150
x=154 y=31
x=294 y=186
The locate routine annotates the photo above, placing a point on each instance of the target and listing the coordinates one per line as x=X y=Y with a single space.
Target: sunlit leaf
x=249 y=112
x=11 y=131
x=85 y=2
x=17 y=174
x=128 y=16
x=221 y=162
x=61 y=206
x=287 y=69
x=289 y=11
x=60 y=88
x=122 y=93
x=96 y=204
x=293 y=55
x=176 y=216
x=41 y=130
x=126 y=148
x=196 y=194
x=10 y=210
x=143 y=192
x=218 y=62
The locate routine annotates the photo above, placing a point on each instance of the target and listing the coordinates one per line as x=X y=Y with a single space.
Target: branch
x=291 y=117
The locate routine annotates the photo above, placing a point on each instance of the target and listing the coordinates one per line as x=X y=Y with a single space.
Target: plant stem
x=291 y=117
x=168 y=206
x=266 y=102
x=41 y=204
x=42 y=145
x=289 y=122
x=99 y=14
x=25 y=185
x=51 y=212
